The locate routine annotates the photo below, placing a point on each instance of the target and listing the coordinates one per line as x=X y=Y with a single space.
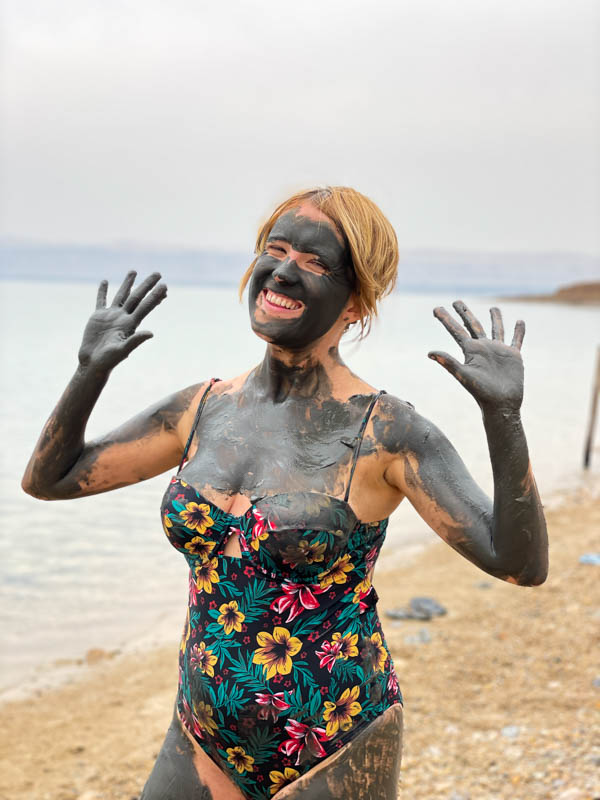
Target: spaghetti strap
x=358 y=441
x=201 y=405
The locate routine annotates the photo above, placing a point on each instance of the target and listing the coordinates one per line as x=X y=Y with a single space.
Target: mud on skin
x=305 y=260
x=310 y=428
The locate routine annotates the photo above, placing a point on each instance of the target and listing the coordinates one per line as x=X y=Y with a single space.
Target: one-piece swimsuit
x=283 y=659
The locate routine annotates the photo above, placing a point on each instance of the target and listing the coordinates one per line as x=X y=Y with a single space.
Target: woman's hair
x=368 y=234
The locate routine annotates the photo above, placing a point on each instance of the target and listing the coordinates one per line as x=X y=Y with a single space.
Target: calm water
x=97 y=572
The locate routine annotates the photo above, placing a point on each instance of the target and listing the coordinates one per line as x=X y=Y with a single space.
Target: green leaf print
x=262 y=743
x=251 y=675
x=301 y=672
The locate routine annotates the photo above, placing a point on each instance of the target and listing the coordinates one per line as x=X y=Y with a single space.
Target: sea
x=97 y=573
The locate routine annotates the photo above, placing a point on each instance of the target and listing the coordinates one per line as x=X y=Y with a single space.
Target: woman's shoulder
x=398 y=426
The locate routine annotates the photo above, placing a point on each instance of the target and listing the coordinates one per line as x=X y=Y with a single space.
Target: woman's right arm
x=62 y=464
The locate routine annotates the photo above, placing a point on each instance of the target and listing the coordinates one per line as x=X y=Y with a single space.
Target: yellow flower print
x=238 y=757
x=203 y=659
x=204 y=714
x=380 y=652
x=199 y=546
x=337 y=573
x=281 y=779
x=196 y=517
x=312 y=552
x=275 y=651
x=256 y=540
x=338 y=715
x=166 y=521
x=361 y=588
x=206 y=574
x=347 y=644
x=230 y=618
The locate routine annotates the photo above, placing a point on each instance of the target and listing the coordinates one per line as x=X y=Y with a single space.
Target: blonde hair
x=368 y=234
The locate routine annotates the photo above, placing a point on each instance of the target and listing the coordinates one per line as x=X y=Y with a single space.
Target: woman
x=287 y=475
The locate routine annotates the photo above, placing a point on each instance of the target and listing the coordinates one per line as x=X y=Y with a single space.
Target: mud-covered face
x=301 y=282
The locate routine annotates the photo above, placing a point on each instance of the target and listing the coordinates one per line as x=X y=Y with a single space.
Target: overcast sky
x=472 y=123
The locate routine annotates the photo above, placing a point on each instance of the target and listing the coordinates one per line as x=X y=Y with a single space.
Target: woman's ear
x=351 y=312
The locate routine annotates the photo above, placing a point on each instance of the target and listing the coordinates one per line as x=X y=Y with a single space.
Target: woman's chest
x=255 y=449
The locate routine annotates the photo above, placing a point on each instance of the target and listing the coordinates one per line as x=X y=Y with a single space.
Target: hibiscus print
x=338 y=715
x=230 y=617
x=196 y=516
x=275 y=651
x=238 y=758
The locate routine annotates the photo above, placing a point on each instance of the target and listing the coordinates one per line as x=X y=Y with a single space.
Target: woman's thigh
x=368 y=767
x=182 y=772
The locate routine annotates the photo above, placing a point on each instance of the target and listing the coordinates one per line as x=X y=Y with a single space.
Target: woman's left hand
x=493 y=370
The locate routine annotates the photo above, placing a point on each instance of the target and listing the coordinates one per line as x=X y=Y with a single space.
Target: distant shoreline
x=576 y=294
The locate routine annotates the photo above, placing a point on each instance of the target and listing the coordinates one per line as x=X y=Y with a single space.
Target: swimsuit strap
x=201 y=405
x=356 y=444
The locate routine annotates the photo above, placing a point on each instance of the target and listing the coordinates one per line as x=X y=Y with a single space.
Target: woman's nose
x=286 y=272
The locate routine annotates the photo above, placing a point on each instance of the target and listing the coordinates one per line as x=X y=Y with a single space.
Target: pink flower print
x=273 y=705
x=392 y=684
x=193 y=591
x=370 y=559
x=328 y=655
x=259 y=532
x=296 y=597
x=190 y=721
x=303 y=736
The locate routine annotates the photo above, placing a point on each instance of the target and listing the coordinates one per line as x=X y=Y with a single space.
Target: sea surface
x=98 y=572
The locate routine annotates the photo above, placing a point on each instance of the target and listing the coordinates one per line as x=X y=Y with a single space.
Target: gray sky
x=473 y=123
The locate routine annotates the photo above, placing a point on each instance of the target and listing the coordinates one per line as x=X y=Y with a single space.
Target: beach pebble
x=590 y=558
x=484 y=585
x=596 y=682
x=510 y=731
x=422 y=637
x=421 y=608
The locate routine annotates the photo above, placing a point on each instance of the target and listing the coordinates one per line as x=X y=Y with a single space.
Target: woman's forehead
x=308 y=232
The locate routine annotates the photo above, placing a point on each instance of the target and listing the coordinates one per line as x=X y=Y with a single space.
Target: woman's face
x=302 y=281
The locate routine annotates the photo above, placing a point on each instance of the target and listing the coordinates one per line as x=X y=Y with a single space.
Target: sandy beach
x=502 y=694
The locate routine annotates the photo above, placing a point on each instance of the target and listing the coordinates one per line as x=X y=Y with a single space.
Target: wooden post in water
x=590 y=434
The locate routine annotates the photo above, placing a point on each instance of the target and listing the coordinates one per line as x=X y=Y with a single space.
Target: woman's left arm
x=508 y=538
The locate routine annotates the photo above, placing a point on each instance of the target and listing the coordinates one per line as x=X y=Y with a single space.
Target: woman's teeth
x=279 y=300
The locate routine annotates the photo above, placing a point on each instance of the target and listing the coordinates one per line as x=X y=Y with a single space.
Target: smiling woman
x=287 y=476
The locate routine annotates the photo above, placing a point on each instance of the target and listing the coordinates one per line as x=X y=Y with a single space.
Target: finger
x=454 y=329
x=453 y=366
x=471 y=322
x=123 y=290
x=142 y=290
x=518 y=335
x=136 y=340
x=156 y=296
x=497 y=324
x=101 y=296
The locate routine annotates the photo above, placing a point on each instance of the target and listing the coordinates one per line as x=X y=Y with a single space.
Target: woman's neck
x=285 y=374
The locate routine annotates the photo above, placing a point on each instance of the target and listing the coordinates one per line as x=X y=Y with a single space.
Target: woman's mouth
x=273 y=302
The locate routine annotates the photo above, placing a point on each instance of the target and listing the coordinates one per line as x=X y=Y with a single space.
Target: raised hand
x=111 y=332
x=493 y=370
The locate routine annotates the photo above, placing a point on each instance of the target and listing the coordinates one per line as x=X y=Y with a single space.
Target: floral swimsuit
x=283 y=660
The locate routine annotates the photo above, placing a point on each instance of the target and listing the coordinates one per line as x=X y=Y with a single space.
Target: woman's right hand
x=111 y=332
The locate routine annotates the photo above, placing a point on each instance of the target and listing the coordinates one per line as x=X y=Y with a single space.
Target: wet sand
x=502 y=694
